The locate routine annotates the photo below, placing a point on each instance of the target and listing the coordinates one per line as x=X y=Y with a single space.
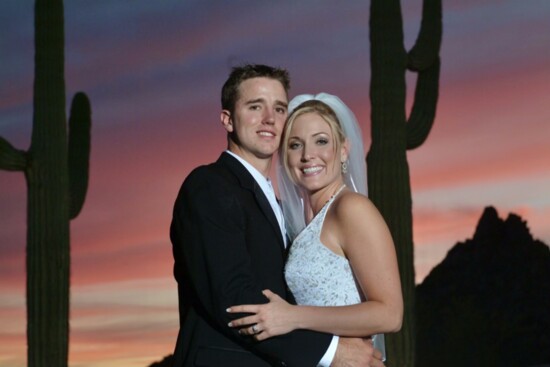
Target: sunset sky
x=153 y=71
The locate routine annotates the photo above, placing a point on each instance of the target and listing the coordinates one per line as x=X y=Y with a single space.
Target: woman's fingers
x=251 y=330
x=270 y=295
x=243 y=321
x=255 y=330
x=243 y=308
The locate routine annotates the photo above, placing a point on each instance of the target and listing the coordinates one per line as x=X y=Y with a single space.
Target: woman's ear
x=226 y=120
x=344 y=150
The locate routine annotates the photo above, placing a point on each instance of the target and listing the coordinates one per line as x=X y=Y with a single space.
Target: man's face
x=257 y=122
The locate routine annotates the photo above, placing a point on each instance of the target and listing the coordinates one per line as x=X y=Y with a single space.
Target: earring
x=344 y=167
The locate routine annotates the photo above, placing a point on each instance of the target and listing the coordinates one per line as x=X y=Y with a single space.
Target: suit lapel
x=268 y=211
x=248 y=182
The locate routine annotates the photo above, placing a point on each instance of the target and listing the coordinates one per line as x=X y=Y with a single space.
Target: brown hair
x=230 y=89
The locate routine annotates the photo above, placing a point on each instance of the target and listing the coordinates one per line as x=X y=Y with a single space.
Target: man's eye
x=254 y=107
x=280 y=110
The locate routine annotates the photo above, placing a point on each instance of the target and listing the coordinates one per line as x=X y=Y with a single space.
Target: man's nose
x=269 y=116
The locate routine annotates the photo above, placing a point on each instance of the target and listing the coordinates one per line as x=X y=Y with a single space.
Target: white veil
x=355 y=178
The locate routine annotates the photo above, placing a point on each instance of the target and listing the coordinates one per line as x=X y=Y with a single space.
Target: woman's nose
x=306 y=154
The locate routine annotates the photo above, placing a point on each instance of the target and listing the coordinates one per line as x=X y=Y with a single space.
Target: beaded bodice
x=319 y=277
x=316 y=275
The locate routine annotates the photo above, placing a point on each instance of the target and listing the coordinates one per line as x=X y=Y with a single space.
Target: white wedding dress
x=317 y=276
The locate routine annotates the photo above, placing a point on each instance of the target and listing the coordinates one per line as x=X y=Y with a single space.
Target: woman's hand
x=268 y=319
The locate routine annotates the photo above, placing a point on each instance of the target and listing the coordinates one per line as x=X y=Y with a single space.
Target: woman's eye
x=294 y=146
x=322 y=141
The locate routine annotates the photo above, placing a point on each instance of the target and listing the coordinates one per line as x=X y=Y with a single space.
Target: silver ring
x=254 y=329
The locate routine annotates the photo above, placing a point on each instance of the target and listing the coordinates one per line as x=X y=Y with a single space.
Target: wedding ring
x=254 y=329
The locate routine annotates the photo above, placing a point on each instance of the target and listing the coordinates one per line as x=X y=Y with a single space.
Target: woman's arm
x=365 y=239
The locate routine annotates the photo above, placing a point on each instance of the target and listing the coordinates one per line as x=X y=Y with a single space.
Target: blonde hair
x=319 y=108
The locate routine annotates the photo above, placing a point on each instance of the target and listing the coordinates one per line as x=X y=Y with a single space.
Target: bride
x=341 y=268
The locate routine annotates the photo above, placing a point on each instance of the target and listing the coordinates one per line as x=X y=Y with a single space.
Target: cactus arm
x=424 y=59
x=425 y=102
x=428 y=43
x=79 y=152
x=11 y=159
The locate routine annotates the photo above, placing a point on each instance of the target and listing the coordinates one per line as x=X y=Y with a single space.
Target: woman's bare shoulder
x=349 y=205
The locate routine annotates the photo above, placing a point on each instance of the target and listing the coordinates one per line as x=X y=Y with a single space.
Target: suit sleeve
x=209 y=237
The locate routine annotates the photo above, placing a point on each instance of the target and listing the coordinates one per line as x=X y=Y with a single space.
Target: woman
x=344 y=259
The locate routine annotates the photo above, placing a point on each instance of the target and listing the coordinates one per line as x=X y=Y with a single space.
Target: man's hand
x=356 y=352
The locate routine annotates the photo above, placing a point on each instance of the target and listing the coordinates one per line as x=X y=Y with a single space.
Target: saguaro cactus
x=56 y=171
x=393 y=134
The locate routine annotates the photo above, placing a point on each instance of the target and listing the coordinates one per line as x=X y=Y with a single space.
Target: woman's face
x=313 y=161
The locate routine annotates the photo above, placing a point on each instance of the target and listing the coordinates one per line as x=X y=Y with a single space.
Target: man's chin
x=266 y=153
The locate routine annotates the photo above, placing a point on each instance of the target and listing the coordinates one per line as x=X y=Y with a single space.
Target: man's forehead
x=262 y=87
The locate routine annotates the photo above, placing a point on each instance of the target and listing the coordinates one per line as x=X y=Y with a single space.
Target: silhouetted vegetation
x=488 y=302
x=393 y=134
x=56 y=171
x=166 y=362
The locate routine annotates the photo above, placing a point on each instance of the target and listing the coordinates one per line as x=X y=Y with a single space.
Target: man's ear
x=227 y=121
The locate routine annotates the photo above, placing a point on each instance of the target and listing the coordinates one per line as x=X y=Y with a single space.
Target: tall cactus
x=392 y=135
x=56 y=172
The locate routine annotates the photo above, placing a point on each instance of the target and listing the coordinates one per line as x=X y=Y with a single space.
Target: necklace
x=336 y=193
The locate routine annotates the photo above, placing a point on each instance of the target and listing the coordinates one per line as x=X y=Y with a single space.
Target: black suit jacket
x=227 y=247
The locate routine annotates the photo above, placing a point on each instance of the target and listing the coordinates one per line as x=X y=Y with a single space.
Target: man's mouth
x=266 y=133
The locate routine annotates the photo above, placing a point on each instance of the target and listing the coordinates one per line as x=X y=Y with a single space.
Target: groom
x=229 y=244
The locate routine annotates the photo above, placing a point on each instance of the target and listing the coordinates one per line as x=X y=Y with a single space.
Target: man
x=228 y=240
